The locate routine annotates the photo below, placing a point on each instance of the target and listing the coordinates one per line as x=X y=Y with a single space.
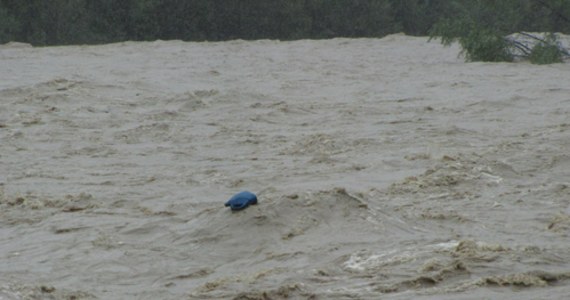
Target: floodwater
x=385 y=169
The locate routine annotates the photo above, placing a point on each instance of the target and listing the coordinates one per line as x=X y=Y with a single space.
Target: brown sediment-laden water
x=384 y=168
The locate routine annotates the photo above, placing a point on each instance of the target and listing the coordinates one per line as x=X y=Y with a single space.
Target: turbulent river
x=384 y=168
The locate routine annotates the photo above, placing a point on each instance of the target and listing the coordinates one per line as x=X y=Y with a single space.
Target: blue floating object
x=241 y=200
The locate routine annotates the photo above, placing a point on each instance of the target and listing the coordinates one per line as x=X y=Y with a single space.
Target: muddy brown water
x=385 y=169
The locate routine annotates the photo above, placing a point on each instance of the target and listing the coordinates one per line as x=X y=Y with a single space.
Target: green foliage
x=345 y=18
x=9 y=26
x=477 y=24
x=547 y=16
x=478 y=43
x=481 y=27
x=416 y=17
x=546 y=52
x=483 y=44
x=109 y=21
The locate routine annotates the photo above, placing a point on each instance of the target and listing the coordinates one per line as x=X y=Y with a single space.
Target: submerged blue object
x=241 y=200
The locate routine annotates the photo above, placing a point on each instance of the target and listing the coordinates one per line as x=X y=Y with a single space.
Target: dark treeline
x=58 y=22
